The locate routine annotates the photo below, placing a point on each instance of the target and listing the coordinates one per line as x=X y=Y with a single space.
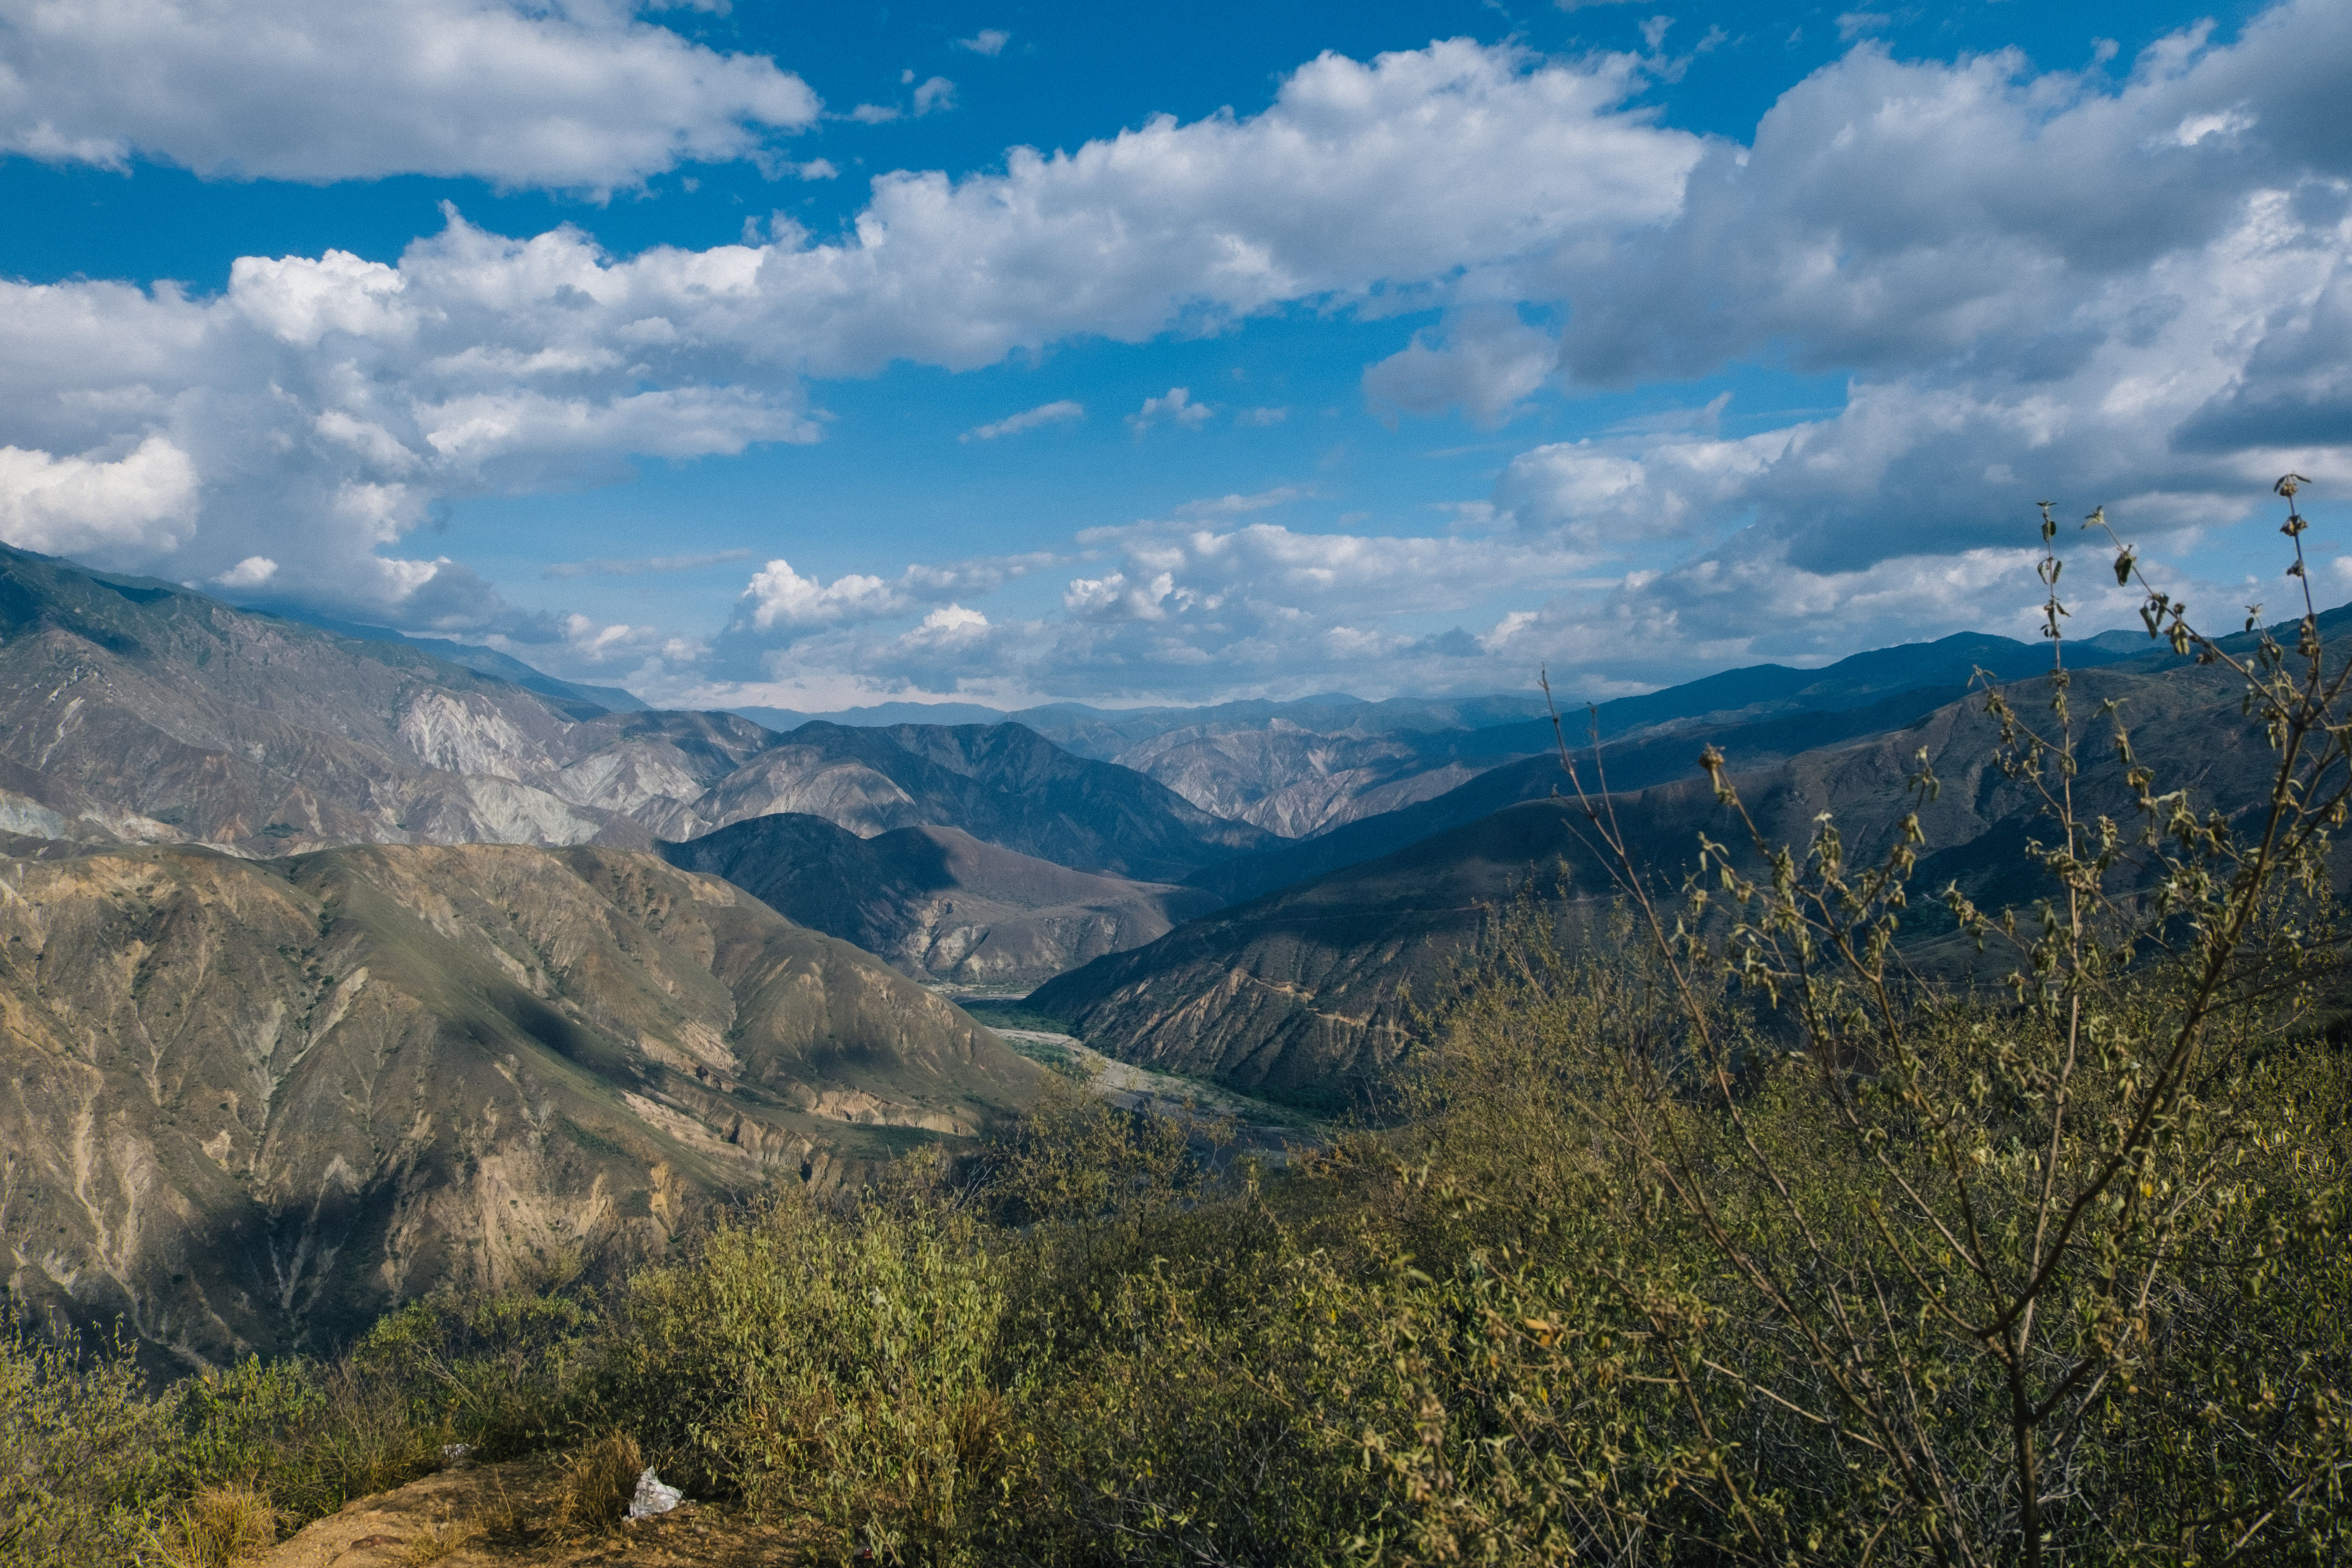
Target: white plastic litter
x=653 y=1497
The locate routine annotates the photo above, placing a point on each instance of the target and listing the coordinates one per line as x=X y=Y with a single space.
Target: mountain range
x=1310 y=767
x=336 y=965
x=1306 y=993
x=135 y=711
x=937 y=901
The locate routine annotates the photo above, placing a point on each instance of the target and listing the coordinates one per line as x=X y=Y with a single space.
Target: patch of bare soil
x=510 y=1515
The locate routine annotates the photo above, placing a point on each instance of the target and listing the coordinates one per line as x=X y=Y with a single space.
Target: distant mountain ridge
x=1298 y=992
x=1001 y=782
x=480 y=660
x=136 y=710
x=1313 y=766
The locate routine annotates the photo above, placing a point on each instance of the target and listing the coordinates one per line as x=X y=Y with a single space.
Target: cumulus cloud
x=953 y=621
x=577 y=96
x=2033 y=284
x=1176 y=612
x=780 y=596
x=1485 y=363
x=2042 y=286
x=1054 y=413
x=585 y=641
x=319 y=408
x=1175 y=406
x=990 y=41
x=328 y=406
x=131 y=507
x=250 y=573
x=935 y=94
x=780 y=601
x=1400 y=173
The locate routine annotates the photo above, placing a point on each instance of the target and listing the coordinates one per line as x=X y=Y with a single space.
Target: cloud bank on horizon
x=2125 y=286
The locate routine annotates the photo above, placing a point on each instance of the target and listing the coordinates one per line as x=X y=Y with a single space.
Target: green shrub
x=82 y=1454
x=832 y=1365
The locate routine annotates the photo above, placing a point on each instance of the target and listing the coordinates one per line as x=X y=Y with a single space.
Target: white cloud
x=953 y=620
x=990 y=41
x=936 y=94
x=136 y=506
x=1892 y=214
x=780 y=602
x=2049 y=283
x=250 y=573
x=1261 y=418
x=1485 y=363
x=781 y=598
x=1176 y=407
x=2036 y=285
x=2173 y=348
x=1400 y=173
x=1052 y=413
x=1233 y=505
x=576 y=95
x=328 y=404
x=587 y=642
x=1183 y=612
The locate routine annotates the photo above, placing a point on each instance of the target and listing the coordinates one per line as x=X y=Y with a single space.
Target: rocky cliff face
x=250 y=1105
x=937 y=902
x=1297 y=782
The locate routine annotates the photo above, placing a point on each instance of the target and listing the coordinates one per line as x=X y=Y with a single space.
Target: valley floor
x=1258 y=1126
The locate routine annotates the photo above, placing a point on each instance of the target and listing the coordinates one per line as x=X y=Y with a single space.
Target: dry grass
x=220 y=1527
x=501 y=1512
x=599 y=1479
x=434 y=1541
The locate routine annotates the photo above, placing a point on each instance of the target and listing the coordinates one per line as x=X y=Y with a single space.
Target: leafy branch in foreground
x=2058 y=1301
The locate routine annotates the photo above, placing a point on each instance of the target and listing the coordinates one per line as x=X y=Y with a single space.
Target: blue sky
x=808 y=357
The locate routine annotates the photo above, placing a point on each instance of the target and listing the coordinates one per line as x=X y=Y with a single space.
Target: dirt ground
x=475 y=1515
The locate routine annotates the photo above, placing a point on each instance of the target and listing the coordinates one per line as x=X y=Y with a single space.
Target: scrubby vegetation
x=1715 y=1229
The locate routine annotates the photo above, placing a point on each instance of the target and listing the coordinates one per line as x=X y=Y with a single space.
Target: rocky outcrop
x=250 y=1105
x=1297 y=782
x=937 y=902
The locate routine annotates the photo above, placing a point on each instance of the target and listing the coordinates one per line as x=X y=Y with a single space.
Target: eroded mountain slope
x=937 y=901
x=250 y=1105
x=1003 y=784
